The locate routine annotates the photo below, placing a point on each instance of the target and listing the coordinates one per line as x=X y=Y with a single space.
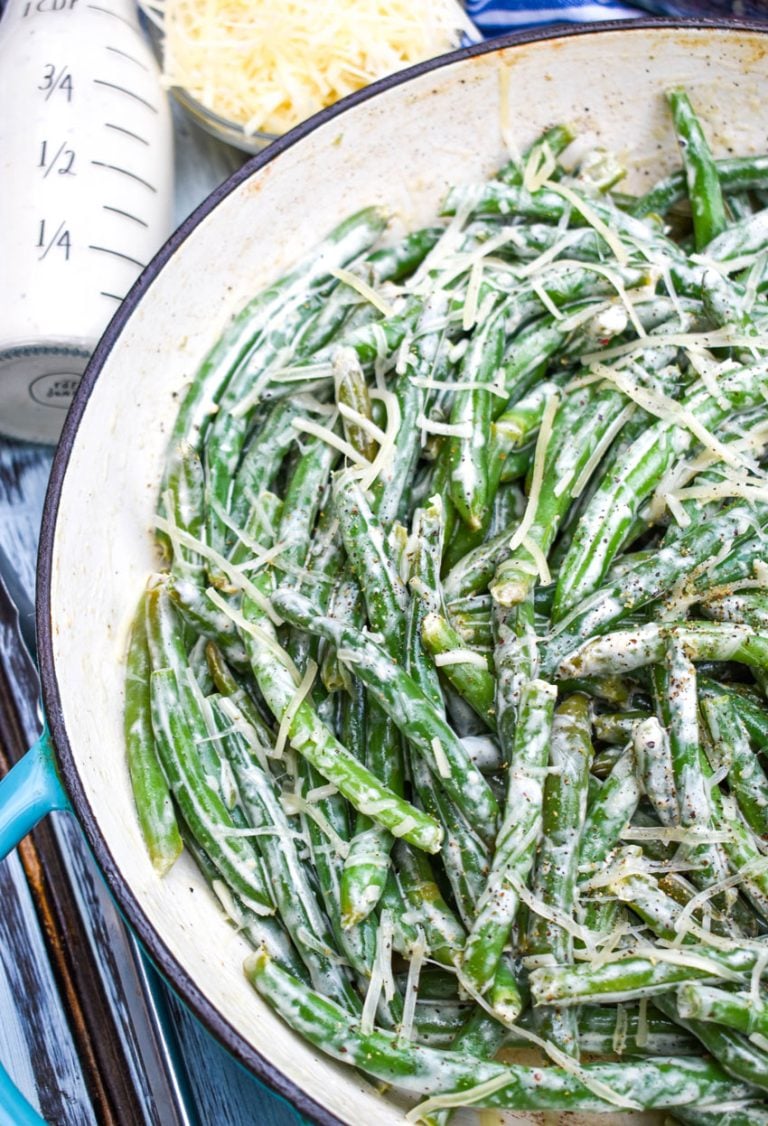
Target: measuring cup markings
x=63 y=160
x=44 y=6
x=124 y=90
x=131 y=58
x=86 y=148
x=115 y=15
x=55 y=79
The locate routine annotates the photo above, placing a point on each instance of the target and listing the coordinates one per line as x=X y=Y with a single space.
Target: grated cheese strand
x=539 y=457
x=367 y=292
x=445 y=429
x=441 y=760
x=460 y=657
x=299 y=696
x=669 y=410
x=261 y=635
x=307 y=426
x=294 y=804
x=234 y=574
x=594 y=220
x=385 y=456
x=539 y=558
x=418 y=958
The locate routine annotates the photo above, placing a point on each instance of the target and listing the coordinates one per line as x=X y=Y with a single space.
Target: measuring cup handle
x=27 y=793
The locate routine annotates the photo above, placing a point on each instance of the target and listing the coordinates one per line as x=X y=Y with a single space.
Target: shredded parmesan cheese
x=384 y=458
x=443 y=766
x=539 y=558
x=669 y=410
x=591 y=217
x=294 y=804
x=367 y=292
x=460 y=657
x=539 y=167
x=445 y=429
x=307 y=426
x=381 y=974
x=235 y=576
x=290 y=712
x=542 y=442
x=418 y=957
x=268 y=65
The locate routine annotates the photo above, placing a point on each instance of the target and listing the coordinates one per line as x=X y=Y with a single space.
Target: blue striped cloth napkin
x=495 y=17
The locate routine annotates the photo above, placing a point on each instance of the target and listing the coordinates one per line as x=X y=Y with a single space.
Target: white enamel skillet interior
x=400 y=144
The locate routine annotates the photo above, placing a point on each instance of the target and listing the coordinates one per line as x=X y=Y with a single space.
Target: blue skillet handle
x=27 y=793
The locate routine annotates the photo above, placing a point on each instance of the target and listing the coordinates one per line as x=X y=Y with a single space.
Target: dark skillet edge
x=173 y=972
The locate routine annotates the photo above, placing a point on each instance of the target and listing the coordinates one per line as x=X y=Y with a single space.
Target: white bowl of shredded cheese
x=250 y=70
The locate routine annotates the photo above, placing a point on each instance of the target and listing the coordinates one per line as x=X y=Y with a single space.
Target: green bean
x=625 y=1031
x=467 y=449
x=468 y=674
x=517 y=839
x=402 y=699
x=616 y=727
x=677 y=704
x=741 y=240
x=551 y=144
x=427 y=910
x=626 y=650
x=397 y=262
x=744 y=1012
x=369 y=736
x=202 y=807
x=610 y=813
x=294 y=896
x=151 y=795
x=749 y=607
x=302 y=501
x=736 y=1055
x=656 y=770
x=554 y=879
x=310 y=737
x=545 y=203
x=646 y=1084
x=428 y=534
x=262 y=460
x=734 y=173
x=352 y=392
x=382 y=588
x=629 y=976
x=749 y=709
x=747 y=780
x=704 y=191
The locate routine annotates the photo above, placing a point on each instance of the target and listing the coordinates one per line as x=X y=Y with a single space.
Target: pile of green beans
x=452 y=679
